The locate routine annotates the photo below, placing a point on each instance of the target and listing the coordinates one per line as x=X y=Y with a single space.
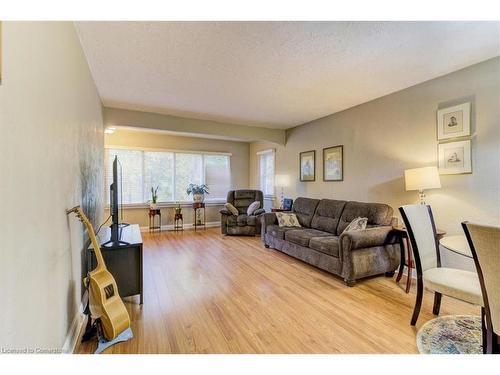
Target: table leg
x=402 y=261
x=408 y=277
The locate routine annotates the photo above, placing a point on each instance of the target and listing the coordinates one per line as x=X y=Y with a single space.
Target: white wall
x=51 y=159
x=384 y=137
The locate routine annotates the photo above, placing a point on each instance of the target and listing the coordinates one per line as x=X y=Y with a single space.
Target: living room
x=251 y=187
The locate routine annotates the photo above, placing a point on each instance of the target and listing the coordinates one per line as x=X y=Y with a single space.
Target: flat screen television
x=115 y=193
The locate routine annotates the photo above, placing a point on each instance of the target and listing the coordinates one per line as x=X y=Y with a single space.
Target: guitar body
x=104 y=301
x=106 y=304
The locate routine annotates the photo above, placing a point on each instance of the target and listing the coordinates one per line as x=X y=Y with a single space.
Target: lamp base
x=422 y=196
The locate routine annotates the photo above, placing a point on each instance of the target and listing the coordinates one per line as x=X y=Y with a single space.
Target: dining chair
x=484 y=243
x=452 y=282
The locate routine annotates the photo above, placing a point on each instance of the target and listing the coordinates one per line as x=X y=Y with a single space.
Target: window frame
x=166 y=204
x=259 y=154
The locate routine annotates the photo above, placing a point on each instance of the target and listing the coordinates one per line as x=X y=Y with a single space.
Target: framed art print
x=453 y=122
x=333 y=163
x=455 y=157
x=307 y=165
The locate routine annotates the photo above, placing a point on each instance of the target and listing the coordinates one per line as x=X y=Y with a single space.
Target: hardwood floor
x=205 y=293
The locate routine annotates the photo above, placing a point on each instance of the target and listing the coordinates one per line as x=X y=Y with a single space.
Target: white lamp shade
x=422 y=178
x=281 y=180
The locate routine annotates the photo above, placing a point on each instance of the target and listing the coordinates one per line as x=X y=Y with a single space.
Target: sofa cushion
x=377 y=214
x=253 y=207
x=327 y=245
x=359 y=223
x=243 y=220
x=302 y=236
x=286 y=219
x=233 y=210
x=327 y=215
x=251 y=220
x=304 y=209
x=277 y=231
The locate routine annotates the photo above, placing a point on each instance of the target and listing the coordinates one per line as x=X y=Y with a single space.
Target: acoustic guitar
x=104 y=301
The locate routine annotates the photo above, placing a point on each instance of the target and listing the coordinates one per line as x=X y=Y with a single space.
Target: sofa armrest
x=370 y=237
x=266 y=219
x=225 y=212
x=259 y=211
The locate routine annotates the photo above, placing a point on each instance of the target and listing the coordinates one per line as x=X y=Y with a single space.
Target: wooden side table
x=197 y=206
x=407 y=255
x=152 y=214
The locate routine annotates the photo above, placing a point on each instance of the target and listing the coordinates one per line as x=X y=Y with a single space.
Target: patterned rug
x=452 y=334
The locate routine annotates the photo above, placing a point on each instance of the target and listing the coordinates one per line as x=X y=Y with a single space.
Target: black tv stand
x=123 y=259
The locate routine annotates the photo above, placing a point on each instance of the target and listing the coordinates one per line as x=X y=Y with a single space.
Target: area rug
x=452 y=334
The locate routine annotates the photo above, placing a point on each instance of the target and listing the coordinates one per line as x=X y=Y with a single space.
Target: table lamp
x=282 y=181
x=422 y=179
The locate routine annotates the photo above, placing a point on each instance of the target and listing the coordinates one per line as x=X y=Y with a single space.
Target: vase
x=198 y=198
x=153 y=206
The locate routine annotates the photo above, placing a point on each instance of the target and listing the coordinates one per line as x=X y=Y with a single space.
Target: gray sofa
x=243 y=224
x=321 y=241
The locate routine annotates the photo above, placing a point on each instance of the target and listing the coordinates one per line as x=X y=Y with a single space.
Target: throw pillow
x=287 y=220
x=232 y=209
x=357 y=224
x=253 y=207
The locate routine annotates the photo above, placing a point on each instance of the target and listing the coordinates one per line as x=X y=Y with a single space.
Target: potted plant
x=198 y=192
x=178 y=208
x=154 y=198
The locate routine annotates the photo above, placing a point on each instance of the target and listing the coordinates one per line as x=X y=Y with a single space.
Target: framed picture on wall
x=333 y=163
x=307 y=165
x=453 y=122
x=455 y=157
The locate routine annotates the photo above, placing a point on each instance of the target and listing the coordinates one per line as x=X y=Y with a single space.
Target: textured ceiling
x=272 y=74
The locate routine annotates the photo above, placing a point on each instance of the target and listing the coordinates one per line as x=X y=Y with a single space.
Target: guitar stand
x=95 y=330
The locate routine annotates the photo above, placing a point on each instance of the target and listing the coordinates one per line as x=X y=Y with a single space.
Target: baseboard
x=211 y=224
x=75 y=330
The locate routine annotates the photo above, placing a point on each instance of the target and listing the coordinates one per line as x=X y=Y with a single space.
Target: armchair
x=243 y=224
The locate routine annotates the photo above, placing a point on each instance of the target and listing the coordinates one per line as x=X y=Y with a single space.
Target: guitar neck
x=97 y=247
x=93 y=238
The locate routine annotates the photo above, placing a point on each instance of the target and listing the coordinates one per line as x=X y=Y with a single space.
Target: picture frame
x=307 y=166
x=287 y=204
x=455 y=157
x=453 y=122
x=333 y=163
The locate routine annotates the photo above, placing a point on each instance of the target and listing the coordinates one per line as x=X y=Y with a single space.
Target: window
x=266 y=172
x=171 y=171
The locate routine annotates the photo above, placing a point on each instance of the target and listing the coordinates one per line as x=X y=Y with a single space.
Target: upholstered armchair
x=242 y=224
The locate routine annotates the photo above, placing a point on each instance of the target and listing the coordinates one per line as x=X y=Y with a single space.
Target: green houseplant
x=154 y=198
x=198 y=192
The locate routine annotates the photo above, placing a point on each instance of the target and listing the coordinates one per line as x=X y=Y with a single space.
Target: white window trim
x=263 y=152
x=167 y=204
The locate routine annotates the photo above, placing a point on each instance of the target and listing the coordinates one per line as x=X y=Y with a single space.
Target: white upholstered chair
x=456 y=283
x=484 y=242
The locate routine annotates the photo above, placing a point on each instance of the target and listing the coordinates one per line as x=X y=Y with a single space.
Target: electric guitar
x=104 y=301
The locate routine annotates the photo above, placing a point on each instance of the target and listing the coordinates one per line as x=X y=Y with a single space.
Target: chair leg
x=437 y=303
x=483 y=330
x=418 y=301
x=496 y=344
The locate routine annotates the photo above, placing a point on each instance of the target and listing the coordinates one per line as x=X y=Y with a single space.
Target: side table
x=407 y=255
x=152 y=214
x=197 y=206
